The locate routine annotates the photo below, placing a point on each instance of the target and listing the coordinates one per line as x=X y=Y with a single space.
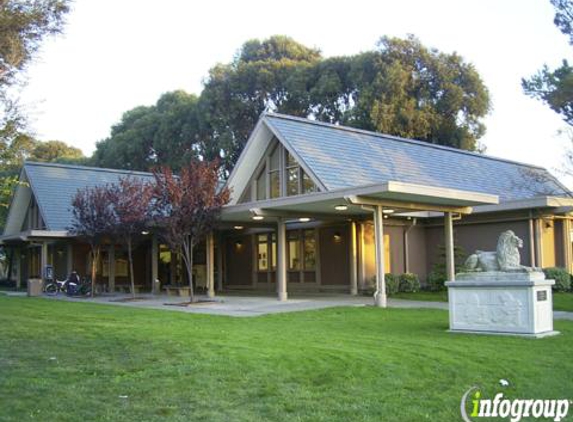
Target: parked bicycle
x=80 y=288
x=56 y=286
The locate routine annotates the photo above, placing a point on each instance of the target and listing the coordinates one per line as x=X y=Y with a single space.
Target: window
x=292 y=171
x=274 y=173
x=266 y=243
x=262 y=253
x=294 y=251
x=262 y=186
x=280 y=175
x=301 y=259
x=309 y=250
x=308 y=185
x=292 y=181
x=275 y=184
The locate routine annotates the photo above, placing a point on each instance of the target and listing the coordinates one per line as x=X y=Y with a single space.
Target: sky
x=115 y=55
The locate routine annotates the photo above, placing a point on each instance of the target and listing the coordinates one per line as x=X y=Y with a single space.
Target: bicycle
x=83 y=288
x=56 y=286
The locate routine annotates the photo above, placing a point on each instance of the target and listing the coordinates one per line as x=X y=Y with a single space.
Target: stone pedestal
x=518 y=303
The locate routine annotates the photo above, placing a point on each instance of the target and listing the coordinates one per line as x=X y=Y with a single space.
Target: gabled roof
x=342 y=157
x=54 y=186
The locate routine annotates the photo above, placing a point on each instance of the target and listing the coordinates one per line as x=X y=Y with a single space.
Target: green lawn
x=62 y=361
x=441 y=296
x=561 y=301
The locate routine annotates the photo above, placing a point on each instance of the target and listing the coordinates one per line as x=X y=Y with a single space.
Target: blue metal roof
x=55 y=185
x=343 y=157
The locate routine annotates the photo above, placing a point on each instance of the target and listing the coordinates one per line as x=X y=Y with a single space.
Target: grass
x=62 y=361
x=562 y=301
x=440 y=296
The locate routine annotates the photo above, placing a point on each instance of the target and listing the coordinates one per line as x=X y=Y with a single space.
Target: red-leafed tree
x=130 y=206
x=186 y=208
x=92 y=216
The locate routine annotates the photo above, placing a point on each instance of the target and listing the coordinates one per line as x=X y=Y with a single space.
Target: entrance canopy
x=396 y=196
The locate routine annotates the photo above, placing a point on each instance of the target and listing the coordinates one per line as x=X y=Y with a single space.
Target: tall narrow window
x=309 y=251
x=308 y=185
x=273 y=252
x=262 y=253
x=262 y=186
x=294 y=251
x=274 y=173
x=292 y=174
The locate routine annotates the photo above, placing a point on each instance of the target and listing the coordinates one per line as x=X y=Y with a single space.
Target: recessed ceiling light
x=238 y=227
x=258 y=217
x=341 y=207
x=304 y=219
x=387 y=211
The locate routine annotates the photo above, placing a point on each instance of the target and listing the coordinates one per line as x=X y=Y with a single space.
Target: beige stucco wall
x=476 y=236
x=548 y=243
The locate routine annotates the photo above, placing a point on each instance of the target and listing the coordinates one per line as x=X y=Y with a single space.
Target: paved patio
x=251 y=305
x=240 y=305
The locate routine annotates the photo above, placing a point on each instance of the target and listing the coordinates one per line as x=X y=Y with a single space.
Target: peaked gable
x=343 y=157
x=53 y=186
x=252 y=159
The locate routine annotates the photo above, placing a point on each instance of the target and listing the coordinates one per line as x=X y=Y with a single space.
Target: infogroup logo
x=511 y=409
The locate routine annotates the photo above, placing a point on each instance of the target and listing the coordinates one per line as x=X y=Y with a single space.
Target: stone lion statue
x=506 y=258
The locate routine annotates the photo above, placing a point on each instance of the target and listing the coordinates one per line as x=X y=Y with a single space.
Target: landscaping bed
x=65 y=361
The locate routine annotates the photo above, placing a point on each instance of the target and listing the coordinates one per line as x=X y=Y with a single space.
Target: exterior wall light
x=145 y=232
x=337 y=237
x=304 y=219
x=341 y=207
x=258 y=217
x=238 y=244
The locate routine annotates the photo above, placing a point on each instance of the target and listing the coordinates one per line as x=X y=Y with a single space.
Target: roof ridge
x=90 y=168
x=400 y=139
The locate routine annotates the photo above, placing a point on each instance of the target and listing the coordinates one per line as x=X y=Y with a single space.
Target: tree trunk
x=130 y=258
x=95 y=259
x=188 y=258
x=10 y=265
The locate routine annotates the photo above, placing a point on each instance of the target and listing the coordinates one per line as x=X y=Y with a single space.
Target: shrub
x=436 y=280
x=392 y=285
x=561 y=276
x=409 y=283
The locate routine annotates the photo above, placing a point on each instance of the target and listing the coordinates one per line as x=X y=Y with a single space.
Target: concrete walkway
x=244 y=305
x=241 y=305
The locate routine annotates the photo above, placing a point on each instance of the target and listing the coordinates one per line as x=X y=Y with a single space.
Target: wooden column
x=533 y=261
x=449 y=242
x=111 y=268
x=69 y=259
x=20 y=253
x=353 y=260
x=281 y=261
x=210 y=258
x=380 y=295
x=154 y=264
x=43 y=260
x=361 y=256
x=220 y=263
x=539 y=242
x=567 y=257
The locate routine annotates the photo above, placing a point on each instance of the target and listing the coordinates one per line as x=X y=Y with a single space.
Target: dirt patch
x=199 y=302
x=128 y=299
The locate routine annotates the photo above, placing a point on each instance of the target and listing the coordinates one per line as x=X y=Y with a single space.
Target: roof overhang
x=564 y=205
x=398 y=196
x=31 y=235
